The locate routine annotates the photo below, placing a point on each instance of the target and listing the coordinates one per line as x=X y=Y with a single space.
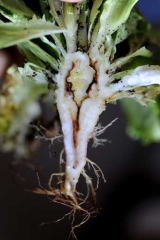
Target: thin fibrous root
x=44 y=137
x=89 y=186
x=96 y=169
x=61 y=161
x=72 y=213
x=98 y=130
x=58 y=220
x=51 y=177
x=58 y=195
x=87 y=215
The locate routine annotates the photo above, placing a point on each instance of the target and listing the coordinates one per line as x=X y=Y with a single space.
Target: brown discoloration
x=90 y=86
x=76 y=163
x=95 y=77
x=78 y=112
x=68 y=86
x=70 y=71
x=75 y=130
x=75 y=126
x=75 y=123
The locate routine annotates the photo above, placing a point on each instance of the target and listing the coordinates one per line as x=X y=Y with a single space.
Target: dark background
x=129 y=200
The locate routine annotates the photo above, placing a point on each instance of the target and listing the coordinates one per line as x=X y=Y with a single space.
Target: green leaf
x=112 y=16
x=14 y=33
x=15 y=10
x=71 y=17
x=30 y=57
x=115 y=13
x=143 y=123
x=94 y=13
x=54 y=13
x=136 y=28
x=41 y=54
x=143 y=52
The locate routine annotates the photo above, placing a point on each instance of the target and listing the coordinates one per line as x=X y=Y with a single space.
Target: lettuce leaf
x=95 y=28
x=18 y=32
x=19 y=106
x=15 y=10
x=143 y=123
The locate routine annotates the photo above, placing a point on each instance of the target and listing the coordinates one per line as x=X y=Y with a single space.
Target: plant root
x=77 y=202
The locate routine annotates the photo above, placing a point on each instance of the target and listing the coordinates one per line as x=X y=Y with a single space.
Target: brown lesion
x=75 y=124
x=75 y=128
x=93 y=65
x=95 y=77
x=90 y=86
x=68 y=86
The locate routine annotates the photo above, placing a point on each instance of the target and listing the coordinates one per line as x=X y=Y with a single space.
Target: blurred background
x=129 y=200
